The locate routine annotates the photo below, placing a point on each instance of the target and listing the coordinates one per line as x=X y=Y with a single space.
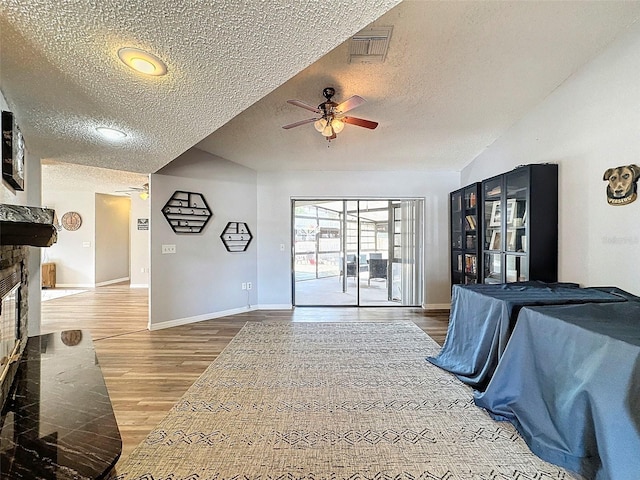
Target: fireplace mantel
x=23 y=225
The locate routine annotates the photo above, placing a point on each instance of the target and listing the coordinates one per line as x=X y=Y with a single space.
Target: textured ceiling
x=457 y=75
x=66 y=177
x=61 y=76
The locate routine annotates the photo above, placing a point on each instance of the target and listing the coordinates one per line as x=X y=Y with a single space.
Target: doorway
x=363 y=252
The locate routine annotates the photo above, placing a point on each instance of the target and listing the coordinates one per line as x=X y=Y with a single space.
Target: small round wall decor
x=71 y=221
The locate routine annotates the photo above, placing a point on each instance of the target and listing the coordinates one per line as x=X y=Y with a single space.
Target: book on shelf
x=471 y=222
x=471 y=264
x=471 y=201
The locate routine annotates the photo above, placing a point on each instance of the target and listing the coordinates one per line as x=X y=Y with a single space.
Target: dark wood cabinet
x=520 y=225
x=465 y=210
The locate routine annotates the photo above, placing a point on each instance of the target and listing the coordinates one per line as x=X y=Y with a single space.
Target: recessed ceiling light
x=142 y=61
x=110 y=133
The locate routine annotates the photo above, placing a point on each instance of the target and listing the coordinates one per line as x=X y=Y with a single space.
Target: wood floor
x=147 y=372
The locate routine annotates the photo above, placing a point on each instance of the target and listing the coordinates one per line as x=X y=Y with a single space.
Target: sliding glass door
x=357 y=252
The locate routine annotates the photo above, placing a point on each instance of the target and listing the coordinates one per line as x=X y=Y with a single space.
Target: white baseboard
x=74 y=285
x=111 y=282
x=199 y=318
x=139 y=285
x=436 y=306
x=223 y=313
x=274 y=306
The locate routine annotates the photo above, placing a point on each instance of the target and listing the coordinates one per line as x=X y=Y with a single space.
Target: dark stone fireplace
x=14 y=311
x=21 y=227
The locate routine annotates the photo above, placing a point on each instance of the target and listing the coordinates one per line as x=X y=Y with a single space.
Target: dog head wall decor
x=622 y=188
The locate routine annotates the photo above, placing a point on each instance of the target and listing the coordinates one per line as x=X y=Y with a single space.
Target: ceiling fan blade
x=350 y=104
x=298 y=103
x=297 y=124
x=361 y=122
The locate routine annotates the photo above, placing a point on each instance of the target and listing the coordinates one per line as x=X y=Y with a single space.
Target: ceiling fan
x=332 y=115
x=142 y=191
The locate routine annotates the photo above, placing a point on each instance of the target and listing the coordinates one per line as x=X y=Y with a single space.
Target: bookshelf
x=465 y=210
x=520 y=225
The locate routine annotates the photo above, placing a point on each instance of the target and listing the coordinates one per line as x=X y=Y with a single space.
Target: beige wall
x=73 y=253
x=275 y=190
x=112 y=238
x=202 y=280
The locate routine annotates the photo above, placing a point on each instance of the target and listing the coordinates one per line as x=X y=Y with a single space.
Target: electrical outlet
x=249 y=286
x=244 y=286
x=168 y=249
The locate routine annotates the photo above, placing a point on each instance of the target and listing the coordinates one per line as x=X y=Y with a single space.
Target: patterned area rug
x=331 y=401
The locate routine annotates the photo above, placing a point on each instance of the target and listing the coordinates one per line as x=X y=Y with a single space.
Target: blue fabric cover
x=617 y=291
x=569 y=381
x=483 y=316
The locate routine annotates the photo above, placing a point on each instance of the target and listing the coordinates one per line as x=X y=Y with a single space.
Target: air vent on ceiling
x=370 y=45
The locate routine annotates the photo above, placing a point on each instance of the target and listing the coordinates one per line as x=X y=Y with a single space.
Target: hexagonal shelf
x=187 y=212
x=236 y=236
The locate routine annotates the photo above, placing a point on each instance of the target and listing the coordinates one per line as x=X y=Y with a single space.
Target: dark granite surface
x=58 y=422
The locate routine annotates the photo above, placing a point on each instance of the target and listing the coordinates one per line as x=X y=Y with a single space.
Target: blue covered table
x=569 y=381
x=483 y=316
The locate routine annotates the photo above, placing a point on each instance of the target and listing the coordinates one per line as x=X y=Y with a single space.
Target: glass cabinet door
x=493 y=215
x=470 y=226
x=516 y=211
x=456 y=220
x=470 y=221
x=492 y=267
x=492 y=234
x=516 y=268
x=520 y=218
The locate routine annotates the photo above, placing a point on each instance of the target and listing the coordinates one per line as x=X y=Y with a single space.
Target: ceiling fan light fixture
x=327 y=132
x=337 y=125
x=320 y=125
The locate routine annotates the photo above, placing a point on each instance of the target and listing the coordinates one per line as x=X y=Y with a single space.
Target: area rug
x=331 y=401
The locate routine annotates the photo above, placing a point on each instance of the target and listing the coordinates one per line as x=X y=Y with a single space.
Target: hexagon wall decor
x=187 y=212
x=236 y=236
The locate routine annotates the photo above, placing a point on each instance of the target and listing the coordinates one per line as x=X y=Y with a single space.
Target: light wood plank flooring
x=147 y=372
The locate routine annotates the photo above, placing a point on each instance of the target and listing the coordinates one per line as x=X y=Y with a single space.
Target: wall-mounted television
x=12 y=152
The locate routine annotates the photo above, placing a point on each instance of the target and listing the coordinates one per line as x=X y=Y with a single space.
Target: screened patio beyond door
x=356 y=252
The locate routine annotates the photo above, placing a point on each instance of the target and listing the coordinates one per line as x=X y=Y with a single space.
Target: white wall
x=33 y=170
x=31 y=195
x=73 y=254
x=275 y=191
x=202 y=280
x=139 y=271
x=589 y=124
x=112 y=239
